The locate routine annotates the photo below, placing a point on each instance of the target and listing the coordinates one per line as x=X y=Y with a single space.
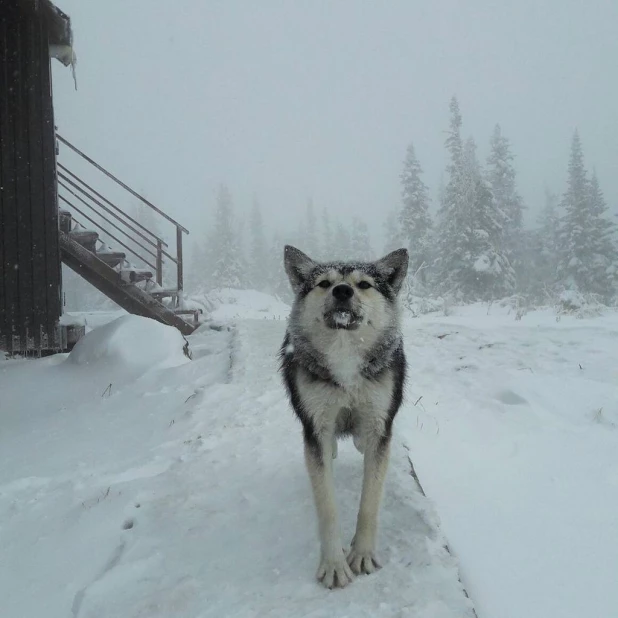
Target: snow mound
x=131 y=344
x=580 y=305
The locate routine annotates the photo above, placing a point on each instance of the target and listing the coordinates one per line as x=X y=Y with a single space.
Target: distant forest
x=476 y=249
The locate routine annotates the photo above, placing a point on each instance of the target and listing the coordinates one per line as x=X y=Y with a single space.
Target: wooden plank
x=3 y=313
x=32 y=55
x=8 y=69
x=53 y=268
x=22 y=186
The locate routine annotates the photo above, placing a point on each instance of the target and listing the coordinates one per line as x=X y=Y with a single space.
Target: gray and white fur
x=344 y=369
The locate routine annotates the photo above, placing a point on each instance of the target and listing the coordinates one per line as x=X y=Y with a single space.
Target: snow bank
x=512 y=428
x=131 y=344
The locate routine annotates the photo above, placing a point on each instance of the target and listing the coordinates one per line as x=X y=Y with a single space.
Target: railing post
x=159 y=262
x=179 y=277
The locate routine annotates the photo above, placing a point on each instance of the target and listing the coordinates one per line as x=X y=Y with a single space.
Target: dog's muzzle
x=340 y=314
x=342 y=317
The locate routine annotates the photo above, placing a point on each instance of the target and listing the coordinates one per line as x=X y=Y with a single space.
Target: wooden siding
x=30 y=275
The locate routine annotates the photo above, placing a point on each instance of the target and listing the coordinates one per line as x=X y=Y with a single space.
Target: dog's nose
x=343 y=292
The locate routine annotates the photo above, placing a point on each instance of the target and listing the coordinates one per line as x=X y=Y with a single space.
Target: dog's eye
x=364 y=285
x=325 y=283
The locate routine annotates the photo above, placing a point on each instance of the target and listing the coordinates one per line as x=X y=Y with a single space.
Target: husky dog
x=344 y=369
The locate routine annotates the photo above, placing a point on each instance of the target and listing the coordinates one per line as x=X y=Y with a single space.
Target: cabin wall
x=30 y=273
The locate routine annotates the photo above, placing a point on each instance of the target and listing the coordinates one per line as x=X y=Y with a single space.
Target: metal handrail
x=159 y=240
x=122 y=212
x=83 y=214
x=122 y=184
x=97 y=202
x=85 y=203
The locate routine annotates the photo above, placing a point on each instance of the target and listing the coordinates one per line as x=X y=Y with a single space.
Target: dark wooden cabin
x=35 y=234
x=31 y=33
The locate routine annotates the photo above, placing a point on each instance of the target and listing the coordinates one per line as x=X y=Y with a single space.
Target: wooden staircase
x=117 y=254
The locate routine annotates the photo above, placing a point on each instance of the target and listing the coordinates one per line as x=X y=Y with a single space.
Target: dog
x=344 y=369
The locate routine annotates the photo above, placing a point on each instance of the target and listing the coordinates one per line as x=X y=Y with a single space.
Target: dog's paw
x=363 y=561
x=335 y=573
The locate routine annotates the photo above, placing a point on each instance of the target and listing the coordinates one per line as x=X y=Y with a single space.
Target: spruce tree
x=277 y=281
x=309 y=232
x=225 y=254
x=360 y=244
x=392 y=236
x=414 y=219
x=342 y=249
x=501 y=177
x=451 y=242
x=491 y=275
x=573 y=264
x=472 y=261
x=541 y=276
x=605 y=262
x=326 y=244
x=586 y=260
x=257 y=246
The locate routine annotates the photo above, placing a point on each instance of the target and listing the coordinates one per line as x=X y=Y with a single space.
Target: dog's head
x=345 y=295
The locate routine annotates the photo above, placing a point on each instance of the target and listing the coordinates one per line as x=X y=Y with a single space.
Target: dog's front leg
x=333 y=570
x=362 y=556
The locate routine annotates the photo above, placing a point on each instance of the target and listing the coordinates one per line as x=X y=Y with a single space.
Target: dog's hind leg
x=333 y=571
x=362 y=556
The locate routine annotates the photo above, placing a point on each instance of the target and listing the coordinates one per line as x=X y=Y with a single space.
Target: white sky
x=292 y=99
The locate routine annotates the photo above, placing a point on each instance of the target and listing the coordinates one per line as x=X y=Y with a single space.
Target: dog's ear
x=298 y=266
x=394 y=267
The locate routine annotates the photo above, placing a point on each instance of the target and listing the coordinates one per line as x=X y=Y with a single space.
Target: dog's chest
x=344 y=361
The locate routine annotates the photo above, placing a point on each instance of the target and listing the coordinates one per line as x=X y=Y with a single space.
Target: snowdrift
x=130 y=345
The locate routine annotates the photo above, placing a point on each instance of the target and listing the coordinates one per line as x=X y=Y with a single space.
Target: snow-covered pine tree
x=492 y=275
x=226 y=258
x=198 y=269
x=392 y=237
x=509 y=205
x=414 y=219
x=326 y=240
x=257 y=249
x=586 y=255
x=451 y=242
x=309 y=230
x=277 y=281
x=360 y=244
x=540 y=277
x=576 y=225
x=605 y=264
x=342 y=248
x=472 y=261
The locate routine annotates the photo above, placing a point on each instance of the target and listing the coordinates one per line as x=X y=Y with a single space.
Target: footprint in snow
x=510 y=398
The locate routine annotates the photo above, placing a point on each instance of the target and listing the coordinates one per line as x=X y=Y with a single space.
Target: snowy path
x=182 y=492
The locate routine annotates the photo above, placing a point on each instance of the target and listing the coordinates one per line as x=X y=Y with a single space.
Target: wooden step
x=160 y=294
x=194 y=312
x=86 y=238
x=65 y=220
x=135 y=275
x=111 y=258
x=130 y=297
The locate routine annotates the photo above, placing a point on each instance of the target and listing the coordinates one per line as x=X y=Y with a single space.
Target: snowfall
x=137 y=482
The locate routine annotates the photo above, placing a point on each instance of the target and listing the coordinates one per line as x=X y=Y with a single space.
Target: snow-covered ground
x=134 y=482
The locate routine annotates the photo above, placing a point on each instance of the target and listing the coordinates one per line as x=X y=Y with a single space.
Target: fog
x=297 y=100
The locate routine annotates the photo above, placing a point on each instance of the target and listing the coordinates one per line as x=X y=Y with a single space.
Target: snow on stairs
x=111 y=274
